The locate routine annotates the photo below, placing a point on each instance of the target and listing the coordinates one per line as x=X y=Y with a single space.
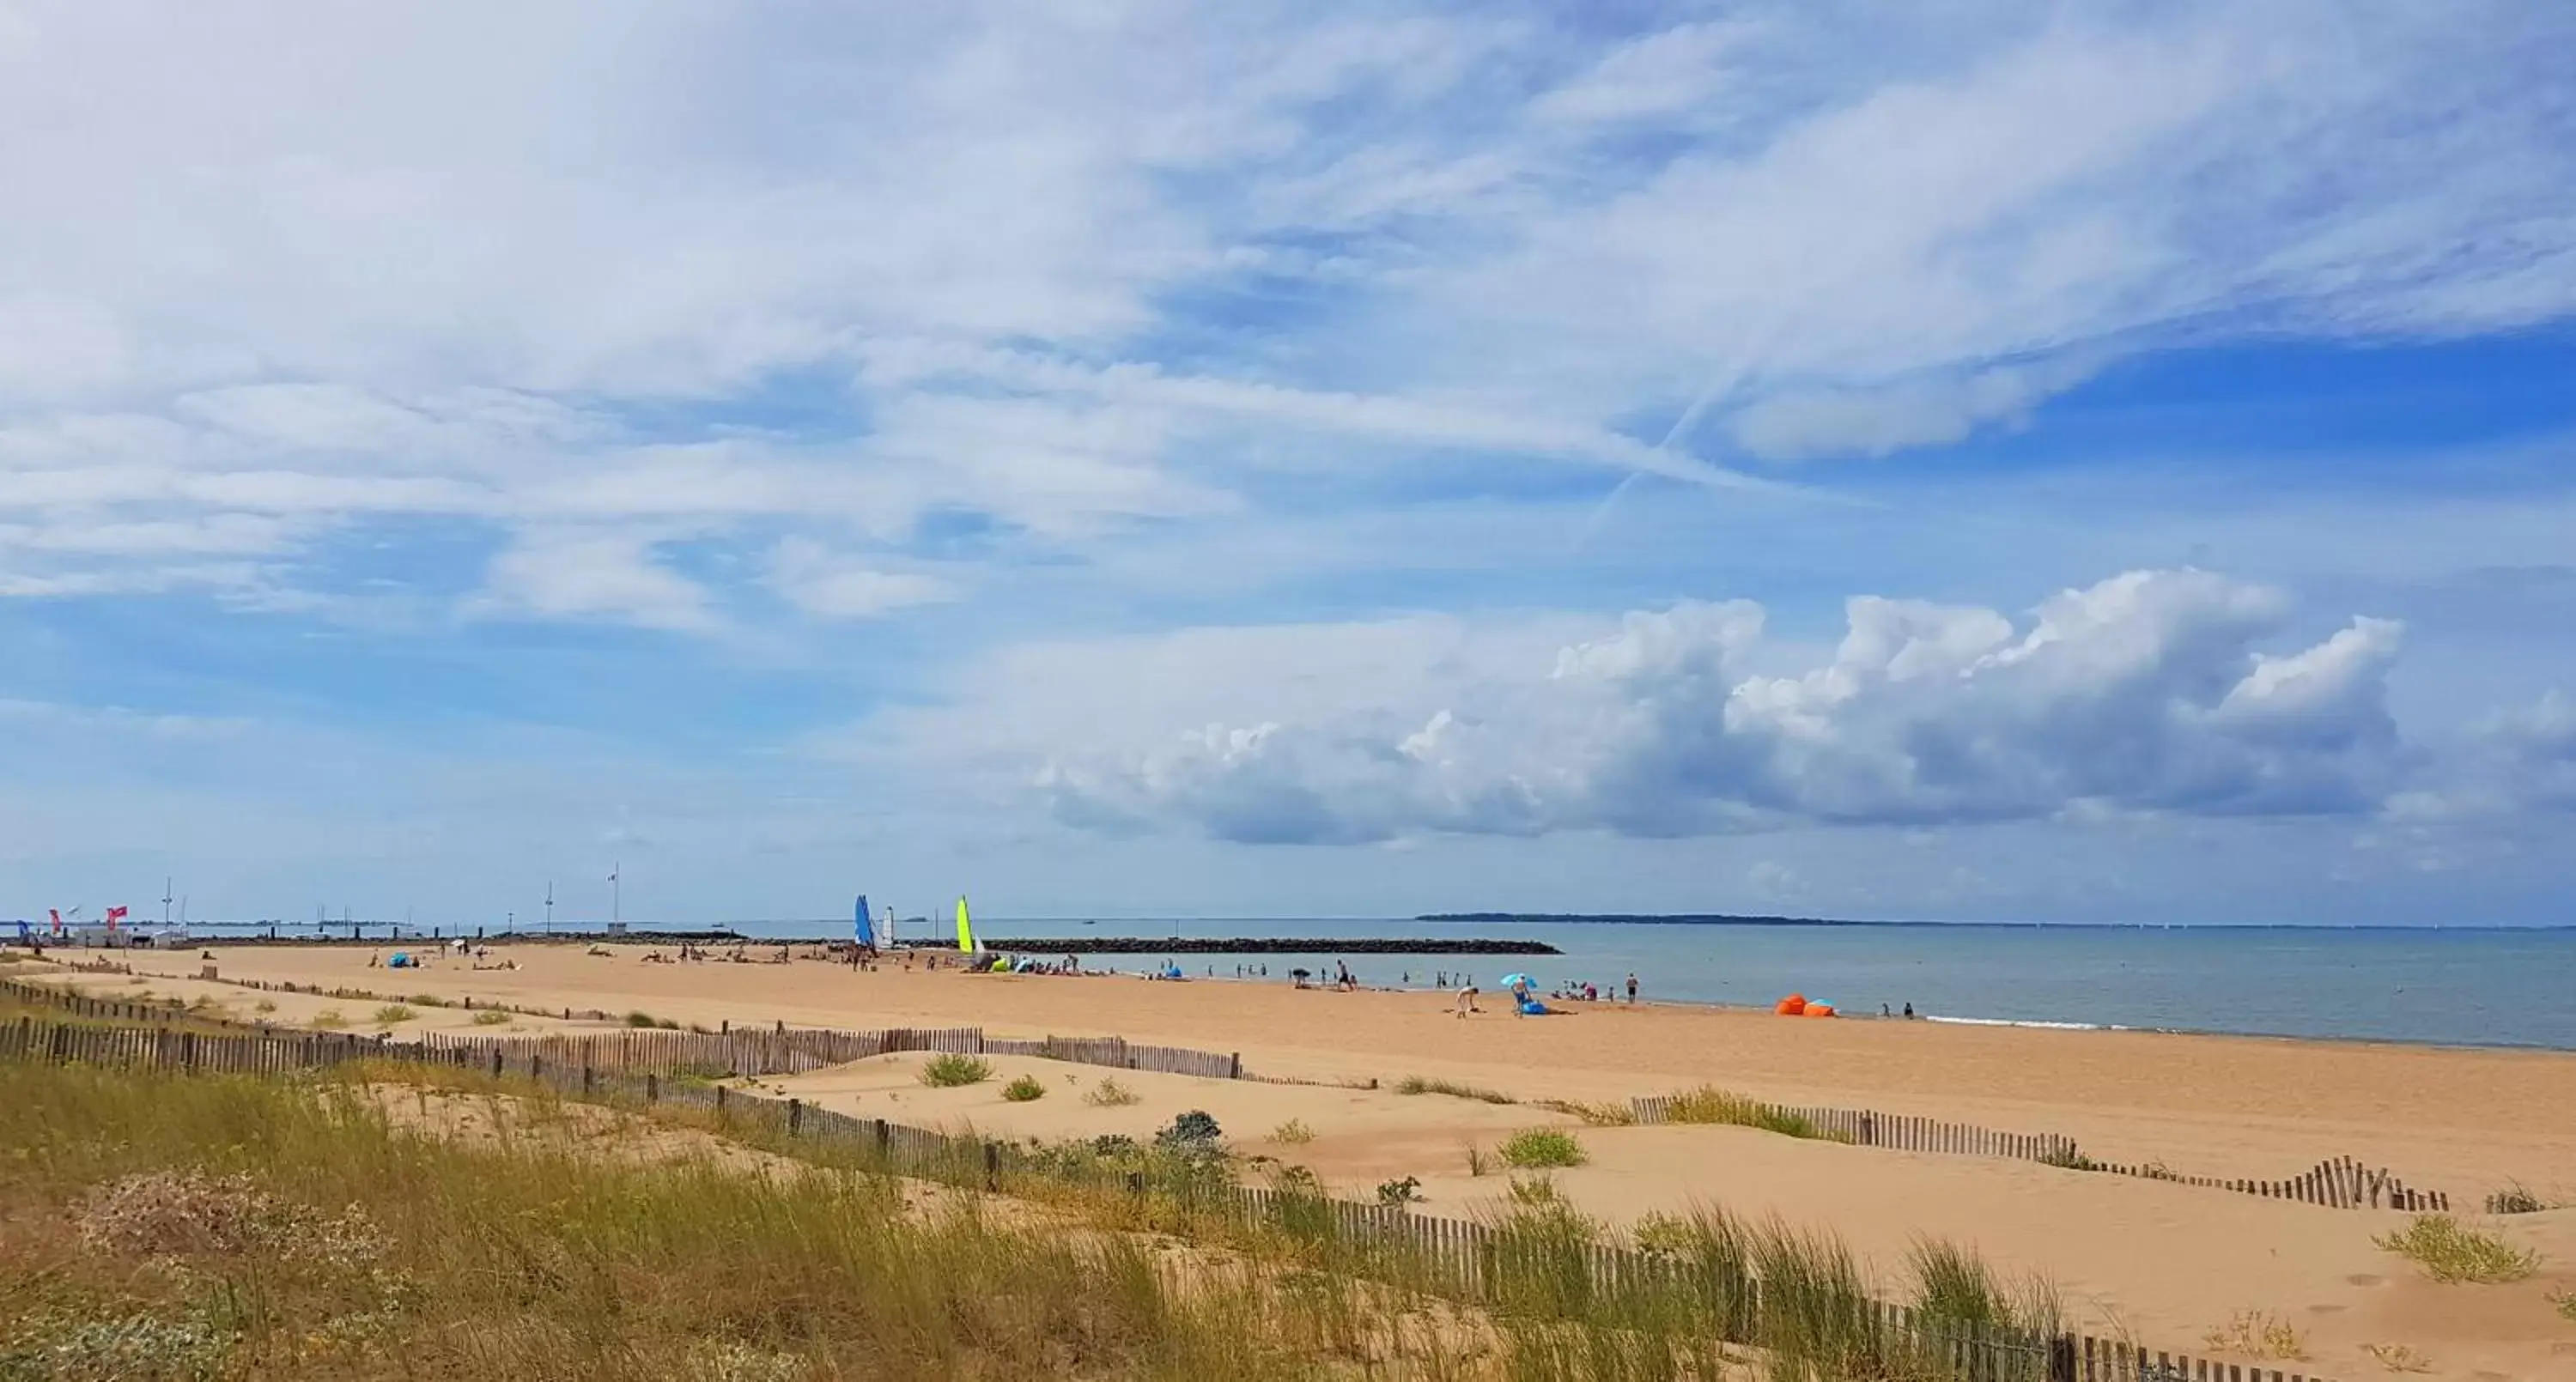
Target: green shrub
x=329 y=1019
x=1404 y=1191
x=426 y=1000
x=2449 y=1250
x=491 y=1017
x=1024 y=1089
x=1292 y=1133
x=1194 y=1131
x=392 y=1013
x=1541 y=1147
x=952 y=1070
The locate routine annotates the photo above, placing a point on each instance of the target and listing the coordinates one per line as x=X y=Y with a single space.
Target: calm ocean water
x=2458 y=986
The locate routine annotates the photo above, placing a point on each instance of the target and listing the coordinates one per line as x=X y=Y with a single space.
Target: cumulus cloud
x=2146 y=692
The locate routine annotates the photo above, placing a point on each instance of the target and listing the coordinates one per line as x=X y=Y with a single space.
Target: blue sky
x=2024 y=462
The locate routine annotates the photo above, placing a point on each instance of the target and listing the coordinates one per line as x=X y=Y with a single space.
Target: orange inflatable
x=1792 y=1005
x=1820 y=1010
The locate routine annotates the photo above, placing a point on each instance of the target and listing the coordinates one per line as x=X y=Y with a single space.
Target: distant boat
x=1088 y=922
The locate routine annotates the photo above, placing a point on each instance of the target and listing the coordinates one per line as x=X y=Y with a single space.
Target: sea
x=2460 y=986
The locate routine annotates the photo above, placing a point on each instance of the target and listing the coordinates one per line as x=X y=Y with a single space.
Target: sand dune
x=2165 y=1262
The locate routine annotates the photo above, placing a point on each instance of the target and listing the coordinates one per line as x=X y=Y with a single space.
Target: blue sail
x=863 y=919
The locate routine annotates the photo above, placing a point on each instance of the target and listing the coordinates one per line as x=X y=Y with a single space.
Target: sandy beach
x=2163 y=1262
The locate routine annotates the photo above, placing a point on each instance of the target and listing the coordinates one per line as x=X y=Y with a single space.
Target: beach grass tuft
x=641 y=1018
x=2515 y=1198
x=951 y=1071
x=2398 y=1358
x=2565 y=1303
x=2258 y=1334
x=1534 y=1148
x=1292 y=1133
x=1479 y=1161
x=1709 y=1104
x=392 y=1013
x=1424 y=1084
x=264 y=1005
x=2449 y=1250
x=329 y=1019
x=1110 y=1094
x=491 y=1017
x=1025 y=1089
x=426 y=1000
x=1606 y=1113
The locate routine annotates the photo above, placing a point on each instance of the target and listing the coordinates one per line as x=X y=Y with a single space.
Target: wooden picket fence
x=1866 y=1128
x=2337 y=1182
x=781 y=1050
x=1470 y=1261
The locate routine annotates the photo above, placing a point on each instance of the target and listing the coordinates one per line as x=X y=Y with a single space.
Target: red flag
x=57 y=914
x=114 y=915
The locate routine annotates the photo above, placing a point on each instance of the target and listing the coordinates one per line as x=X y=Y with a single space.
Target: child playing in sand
x=1467 y=1001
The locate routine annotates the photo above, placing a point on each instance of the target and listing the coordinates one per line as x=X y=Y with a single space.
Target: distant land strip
x=1662 y=919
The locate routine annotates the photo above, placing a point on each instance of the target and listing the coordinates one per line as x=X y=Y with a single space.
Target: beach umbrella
x=1516 y=981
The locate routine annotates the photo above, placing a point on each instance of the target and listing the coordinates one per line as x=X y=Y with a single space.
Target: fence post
x=652 y=1088
x=992 y=1166
x=885 y=1142
x=795 y=1116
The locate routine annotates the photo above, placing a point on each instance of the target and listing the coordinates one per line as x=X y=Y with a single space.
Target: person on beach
x=1632 y=989
x=1467 y=1001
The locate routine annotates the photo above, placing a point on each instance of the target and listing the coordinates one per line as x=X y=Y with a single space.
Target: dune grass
x=227 y=1227
x=1536 y=1148
x=1424 y=1084
x=1110 y=1094
x=2449 y=1250
x=1709 y=1104
x=329 y=1019
x=2565 y=1304
x=2259 y=1334
x=1293 y=1133
x=1601 y=1114
x=2516 y=1198
x=492 y=1017
x=951 y=1071
x=392 y=1013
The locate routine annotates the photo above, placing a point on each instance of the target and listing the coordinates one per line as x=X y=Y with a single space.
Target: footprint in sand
x=2365 y=1279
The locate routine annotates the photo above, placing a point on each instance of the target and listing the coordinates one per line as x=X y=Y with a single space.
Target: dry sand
x=2167 y=1263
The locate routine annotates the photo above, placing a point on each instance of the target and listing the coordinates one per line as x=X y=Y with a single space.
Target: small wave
x=2010 y=1022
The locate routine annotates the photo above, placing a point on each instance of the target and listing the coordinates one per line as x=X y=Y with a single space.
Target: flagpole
x=616 y=911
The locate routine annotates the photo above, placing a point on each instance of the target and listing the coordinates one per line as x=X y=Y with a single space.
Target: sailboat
x=965 y=927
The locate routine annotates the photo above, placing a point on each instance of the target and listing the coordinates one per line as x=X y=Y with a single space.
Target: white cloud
x=2143 y=693
x=561 y=572
x=822 y=582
